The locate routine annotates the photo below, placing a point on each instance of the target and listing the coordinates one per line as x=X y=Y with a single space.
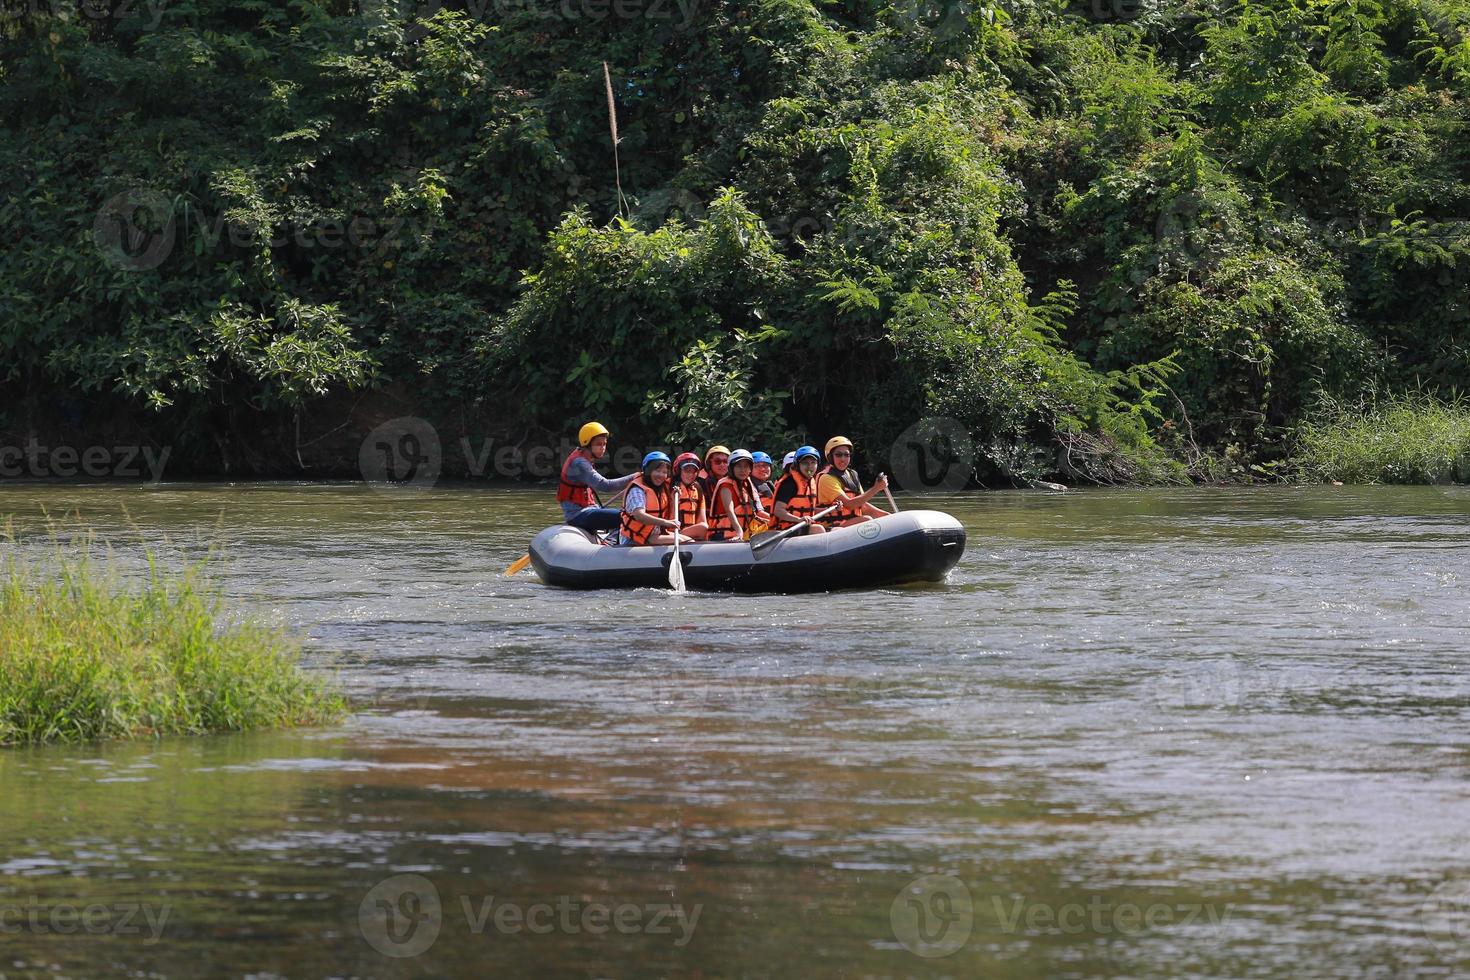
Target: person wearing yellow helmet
x=716 y=466
x=579 y=483
x=838 y=483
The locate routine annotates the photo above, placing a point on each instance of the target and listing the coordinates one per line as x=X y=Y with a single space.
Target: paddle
x=891 y=502
x=783 y=535
x=676 y=566
x=525 y=560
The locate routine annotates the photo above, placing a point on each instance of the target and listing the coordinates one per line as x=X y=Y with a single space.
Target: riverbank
x=89 y=655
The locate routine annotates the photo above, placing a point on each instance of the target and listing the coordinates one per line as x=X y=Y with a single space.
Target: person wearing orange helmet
x=579 y=483
x=838 y=483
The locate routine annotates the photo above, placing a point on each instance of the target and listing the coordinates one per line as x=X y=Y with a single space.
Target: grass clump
x=1408 y=439
x=85 y=655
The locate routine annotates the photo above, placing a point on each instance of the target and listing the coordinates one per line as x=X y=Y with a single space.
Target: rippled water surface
x=1146 y=733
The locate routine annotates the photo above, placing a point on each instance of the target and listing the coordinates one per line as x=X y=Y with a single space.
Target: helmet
x=835 y=442
x=741 y=455
x=654 y=457
x=759 y=457
x=715 y=449
x=686 y=459
x=591 y=431
x=788 y=459
x=804 y=452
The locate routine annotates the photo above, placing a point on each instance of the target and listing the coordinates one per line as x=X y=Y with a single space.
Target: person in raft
x=649 y=516
x=735 y=511
x=693 y=514
x=838 y=483
x=579 y=483
x=716 y=465
x=760 y=474
x=796 y=492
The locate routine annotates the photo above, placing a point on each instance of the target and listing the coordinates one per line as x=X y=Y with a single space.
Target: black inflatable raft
x=912 y=546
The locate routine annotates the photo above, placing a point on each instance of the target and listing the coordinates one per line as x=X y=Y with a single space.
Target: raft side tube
x=913 y=546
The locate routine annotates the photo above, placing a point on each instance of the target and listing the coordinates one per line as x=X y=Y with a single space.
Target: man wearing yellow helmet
x=838 y=484
x=579 y=484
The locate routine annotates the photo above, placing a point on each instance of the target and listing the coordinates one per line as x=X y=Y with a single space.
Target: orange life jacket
x=845 y=512
x=579 y=494
x=659 y=503
x=691 y=503
x=746 y=504
x=804 y=503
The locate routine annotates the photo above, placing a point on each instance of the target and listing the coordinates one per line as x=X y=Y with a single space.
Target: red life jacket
x=746 y=503
x=577 y=493
x=804 y=503
x=659 y=503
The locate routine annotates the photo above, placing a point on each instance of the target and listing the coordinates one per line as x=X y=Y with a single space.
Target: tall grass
x=1407 y=439
x=85 y=654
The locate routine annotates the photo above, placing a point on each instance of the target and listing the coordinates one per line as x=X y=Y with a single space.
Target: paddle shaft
x=792 y=530
x=676 y=566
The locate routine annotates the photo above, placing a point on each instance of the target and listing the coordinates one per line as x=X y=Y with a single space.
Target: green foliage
x=90 y=656
x=717 y=395
x=1410 y=438
x=842 y=217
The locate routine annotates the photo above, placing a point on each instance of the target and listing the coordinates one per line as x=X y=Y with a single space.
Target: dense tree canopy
x=1120 y=239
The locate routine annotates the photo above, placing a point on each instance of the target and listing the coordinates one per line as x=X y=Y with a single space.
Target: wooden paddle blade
x=518 y=564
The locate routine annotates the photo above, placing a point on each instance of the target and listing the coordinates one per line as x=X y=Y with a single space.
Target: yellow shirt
x=829 y=488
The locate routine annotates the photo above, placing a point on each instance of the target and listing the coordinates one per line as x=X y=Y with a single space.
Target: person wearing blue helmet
x=760 y=475
x=796 y=493
x=649 y=512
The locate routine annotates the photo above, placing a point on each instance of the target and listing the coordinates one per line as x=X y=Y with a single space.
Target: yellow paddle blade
x=518 y=564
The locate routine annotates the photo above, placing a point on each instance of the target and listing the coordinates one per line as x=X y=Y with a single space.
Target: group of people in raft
x=724 y=496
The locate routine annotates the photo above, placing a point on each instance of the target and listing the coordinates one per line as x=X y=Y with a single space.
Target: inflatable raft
x=912 y=546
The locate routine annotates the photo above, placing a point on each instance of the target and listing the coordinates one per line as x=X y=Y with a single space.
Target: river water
x=1196 y=732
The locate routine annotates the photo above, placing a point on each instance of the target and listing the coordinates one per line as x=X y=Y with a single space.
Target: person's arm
x=583 y=472
x=726 y=496
x=642 y=514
